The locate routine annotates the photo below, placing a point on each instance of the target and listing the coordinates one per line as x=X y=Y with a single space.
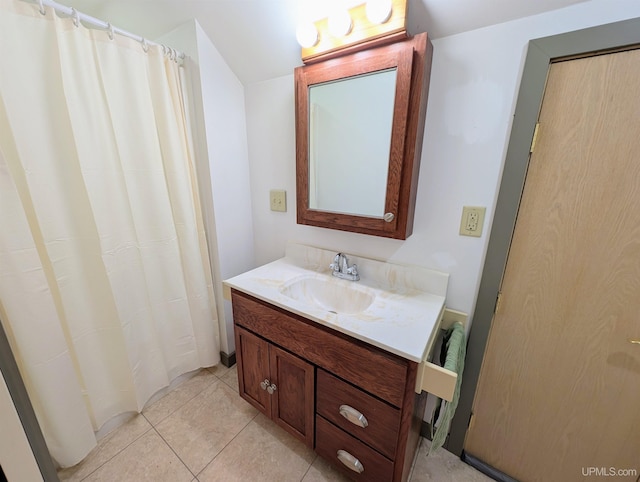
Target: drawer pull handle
x=353 y=416
x=264 y=384
x=350 y=462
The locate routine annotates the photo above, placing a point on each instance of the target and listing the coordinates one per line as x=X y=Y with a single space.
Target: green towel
x=456 y=350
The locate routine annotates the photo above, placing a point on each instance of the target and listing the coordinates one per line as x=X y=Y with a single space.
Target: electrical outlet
x=472 y=220
x=278 y=200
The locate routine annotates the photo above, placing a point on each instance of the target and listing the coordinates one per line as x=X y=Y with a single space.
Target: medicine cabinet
x=359 y=128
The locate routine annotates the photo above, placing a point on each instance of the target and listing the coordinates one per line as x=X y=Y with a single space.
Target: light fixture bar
x=384 y=28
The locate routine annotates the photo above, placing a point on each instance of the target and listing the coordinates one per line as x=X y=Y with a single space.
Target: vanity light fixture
x=339 y=23
x=369 y=22
x=307 y=35
x=378 y=11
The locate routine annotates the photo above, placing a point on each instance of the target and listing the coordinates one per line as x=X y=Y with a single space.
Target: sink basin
x=334 y=295
x=394 y=307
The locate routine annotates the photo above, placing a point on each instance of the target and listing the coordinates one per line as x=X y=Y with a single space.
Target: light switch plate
x=278 y=200
x=472 y=221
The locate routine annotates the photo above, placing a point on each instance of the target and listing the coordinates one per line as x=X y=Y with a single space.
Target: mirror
x=357 y=143
x=350 y=124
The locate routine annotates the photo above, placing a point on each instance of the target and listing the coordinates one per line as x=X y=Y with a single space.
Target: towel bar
x=433 y=378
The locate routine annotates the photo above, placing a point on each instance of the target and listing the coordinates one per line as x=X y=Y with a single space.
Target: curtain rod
x=90 y=21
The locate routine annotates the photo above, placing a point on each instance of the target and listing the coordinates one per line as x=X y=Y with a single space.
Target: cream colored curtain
x=105 y=283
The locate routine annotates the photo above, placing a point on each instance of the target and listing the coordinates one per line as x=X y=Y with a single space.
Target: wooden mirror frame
x=412 y=58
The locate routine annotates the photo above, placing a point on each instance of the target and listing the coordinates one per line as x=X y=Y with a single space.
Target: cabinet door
x=253 y=369
x=292 y=403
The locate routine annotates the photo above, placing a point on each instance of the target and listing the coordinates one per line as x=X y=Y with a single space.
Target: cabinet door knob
x=264 y=384
x=353 y=416
x=272 y=388
x=350 y=462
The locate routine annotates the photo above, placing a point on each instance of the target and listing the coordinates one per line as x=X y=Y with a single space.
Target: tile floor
x=203 y=431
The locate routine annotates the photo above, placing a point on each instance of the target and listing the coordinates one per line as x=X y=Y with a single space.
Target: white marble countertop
x=402 y=318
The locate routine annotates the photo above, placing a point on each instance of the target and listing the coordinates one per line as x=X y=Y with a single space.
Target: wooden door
x=292 y=401
x=253 y=369
x=559 y=392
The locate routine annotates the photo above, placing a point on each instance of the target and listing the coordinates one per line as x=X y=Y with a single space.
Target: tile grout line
x=227 y=444
x=151 y=426
x=310 y=465
x=119 y=451
x=218 y=379
x=175 y=453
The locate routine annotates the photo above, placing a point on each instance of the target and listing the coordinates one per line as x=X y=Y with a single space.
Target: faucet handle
x=335 y=266
x=353 y=269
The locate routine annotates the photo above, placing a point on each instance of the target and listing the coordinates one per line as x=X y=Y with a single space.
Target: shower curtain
x=105 y=285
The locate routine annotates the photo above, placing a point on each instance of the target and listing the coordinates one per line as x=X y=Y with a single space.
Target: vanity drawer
x=330 y=440
x=382 y=421
x=350 y=359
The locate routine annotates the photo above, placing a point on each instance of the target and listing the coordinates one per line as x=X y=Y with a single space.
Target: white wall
x=220 y=138
x=16 y=457
x=474 y=82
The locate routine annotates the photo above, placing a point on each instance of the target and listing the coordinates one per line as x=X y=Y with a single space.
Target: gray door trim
x=539 y=55
x=18 y=392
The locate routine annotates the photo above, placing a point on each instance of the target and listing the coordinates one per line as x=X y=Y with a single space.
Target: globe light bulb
x=307 y=35
x=339 y=23
x=378 y=11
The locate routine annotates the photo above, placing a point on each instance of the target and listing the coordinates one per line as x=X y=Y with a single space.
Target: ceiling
x=257 y=37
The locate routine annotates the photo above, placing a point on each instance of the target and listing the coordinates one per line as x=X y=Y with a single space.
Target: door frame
x=20 y=398
x=540 y=53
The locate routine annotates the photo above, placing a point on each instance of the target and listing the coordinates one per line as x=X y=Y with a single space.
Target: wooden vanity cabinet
x=277 y=383
x=355 y=404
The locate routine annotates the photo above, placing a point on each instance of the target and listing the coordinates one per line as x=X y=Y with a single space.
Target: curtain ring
x=76 y=17
x=43 y=11
x=110 y=29
x=145 y=45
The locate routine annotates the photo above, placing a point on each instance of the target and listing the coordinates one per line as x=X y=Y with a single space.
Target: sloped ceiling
x=257 y=37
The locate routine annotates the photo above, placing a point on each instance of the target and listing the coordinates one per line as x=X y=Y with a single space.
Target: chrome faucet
x=340 y=268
